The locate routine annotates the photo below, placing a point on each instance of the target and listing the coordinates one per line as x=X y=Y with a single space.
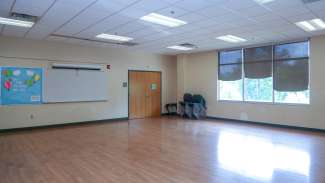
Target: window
x=258 y=74
x=277 y=74
x=291 y=73
x=230 y=75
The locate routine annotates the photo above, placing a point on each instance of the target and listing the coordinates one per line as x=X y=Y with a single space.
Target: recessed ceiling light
x=183 y=48
x=14 y=22
x=306 y=26
x=311 y=25
x=318 y=22
x=263 y=1
x=232 y=39
x=163 y=20
x=114 y=37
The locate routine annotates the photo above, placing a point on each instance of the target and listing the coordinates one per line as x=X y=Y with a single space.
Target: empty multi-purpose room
x=162 y=91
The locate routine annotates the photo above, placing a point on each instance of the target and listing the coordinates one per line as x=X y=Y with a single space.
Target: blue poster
x=21 y=85
x=0 y=87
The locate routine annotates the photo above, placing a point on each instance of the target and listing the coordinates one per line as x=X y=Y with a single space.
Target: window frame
x=243 y=72
x=218 y=82
x=273 y=102
x=296 y=58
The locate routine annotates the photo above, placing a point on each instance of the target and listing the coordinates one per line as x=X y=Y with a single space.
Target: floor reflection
x=259 y=158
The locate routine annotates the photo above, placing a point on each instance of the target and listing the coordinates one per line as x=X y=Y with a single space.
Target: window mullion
x=273 y=75
x=243 y=76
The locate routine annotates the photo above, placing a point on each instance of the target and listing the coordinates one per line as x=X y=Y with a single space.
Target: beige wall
x=37 y=52
x=201 y=77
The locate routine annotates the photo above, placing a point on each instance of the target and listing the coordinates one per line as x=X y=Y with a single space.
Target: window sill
x=263 y=103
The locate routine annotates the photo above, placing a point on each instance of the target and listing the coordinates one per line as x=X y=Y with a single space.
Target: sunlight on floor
x=258 y=157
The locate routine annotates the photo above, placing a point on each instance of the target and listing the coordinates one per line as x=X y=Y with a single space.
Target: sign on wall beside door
x=153 y=86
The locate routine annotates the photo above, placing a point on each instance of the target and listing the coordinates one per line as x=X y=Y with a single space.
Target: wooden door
x=144 y=94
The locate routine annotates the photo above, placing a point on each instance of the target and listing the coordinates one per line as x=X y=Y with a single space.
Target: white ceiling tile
x=302 y=17
x=5 y=7
x=231 y=17
x=206 y=23
x=214 y=11
x=192 y=17
x=14 y=31
x=32 y=7
x=172 y=11
x=61 y=12
x=124 y=2
x=105 y=25
x=266 y=17
x=142 y=33
x=292 y=11
x=90 y=16
x=171 y=1
x=150 y=5
x=40 y=31
x=185 y=28
x=318 y=5
x=128 y=28
x=133 y=12
x=238 y=4
x=105 y=6
x=319 y=10
x=254 y=11
x=283 y=4
x=193 y=5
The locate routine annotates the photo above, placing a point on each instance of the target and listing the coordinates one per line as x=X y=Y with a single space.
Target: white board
x=63 y=85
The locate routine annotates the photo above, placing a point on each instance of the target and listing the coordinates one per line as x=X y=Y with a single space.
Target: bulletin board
x=21 y=85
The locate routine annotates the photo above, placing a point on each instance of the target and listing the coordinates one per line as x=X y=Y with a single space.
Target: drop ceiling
x=206 y=20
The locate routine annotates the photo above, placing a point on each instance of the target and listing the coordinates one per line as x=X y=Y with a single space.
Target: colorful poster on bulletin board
x=0 y=87
x=21 y=85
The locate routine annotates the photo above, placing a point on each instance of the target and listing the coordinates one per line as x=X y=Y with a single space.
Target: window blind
x=230 y=65
x=258 y=62
x=291 y=67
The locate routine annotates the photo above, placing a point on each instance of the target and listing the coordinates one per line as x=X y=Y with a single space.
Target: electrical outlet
x=243 y=116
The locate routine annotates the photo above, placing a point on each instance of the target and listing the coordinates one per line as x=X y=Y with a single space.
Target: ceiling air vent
x=309 y=1
x=23 y=17
x=188 y=45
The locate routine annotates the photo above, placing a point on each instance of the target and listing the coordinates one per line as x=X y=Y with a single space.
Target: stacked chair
x=192 y=106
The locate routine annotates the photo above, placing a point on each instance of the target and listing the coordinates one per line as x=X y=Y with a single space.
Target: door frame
x=160 y=73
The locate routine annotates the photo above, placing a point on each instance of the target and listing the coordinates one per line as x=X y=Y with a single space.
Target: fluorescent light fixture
x=306 y=26
x=114 y=37
x=163 y=20
x=232 y=39
x=319 y=23
x=263 y=1
x=14 y=22
x=183 y=48
x=311 y=25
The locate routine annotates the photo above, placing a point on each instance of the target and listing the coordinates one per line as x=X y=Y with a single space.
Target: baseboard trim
x=268 y=124
x=169 y=114
x=63 y=124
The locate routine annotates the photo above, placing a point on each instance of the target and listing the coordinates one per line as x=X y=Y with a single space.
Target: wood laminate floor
x=162 y=150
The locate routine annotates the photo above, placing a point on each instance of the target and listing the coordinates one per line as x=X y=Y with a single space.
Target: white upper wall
x=201 y=77
x=29 y=53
